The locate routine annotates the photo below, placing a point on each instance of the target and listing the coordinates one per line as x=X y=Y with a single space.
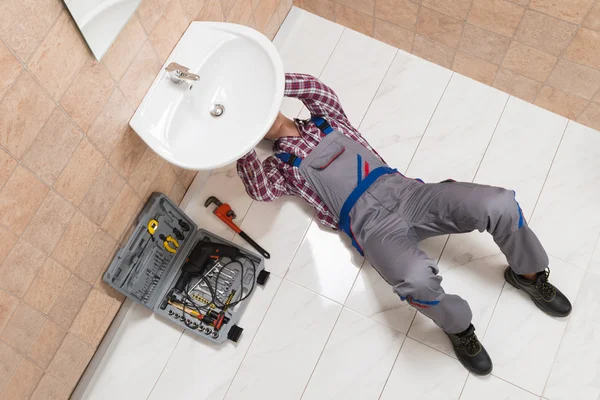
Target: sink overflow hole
x=216 y=110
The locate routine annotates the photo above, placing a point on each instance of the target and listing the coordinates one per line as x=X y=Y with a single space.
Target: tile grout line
x=166 y=363
x=395 y=361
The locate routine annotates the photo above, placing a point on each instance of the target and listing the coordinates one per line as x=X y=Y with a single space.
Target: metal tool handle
x=252 y=243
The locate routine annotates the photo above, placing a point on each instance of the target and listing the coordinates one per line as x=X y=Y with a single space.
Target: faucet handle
x=179 y=73
x=174 y=67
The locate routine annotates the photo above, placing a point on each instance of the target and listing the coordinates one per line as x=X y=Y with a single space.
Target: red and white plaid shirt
x=273 y=178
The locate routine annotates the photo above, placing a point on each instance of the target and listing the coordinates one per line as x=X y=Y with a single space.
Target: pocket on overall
x=333 y=151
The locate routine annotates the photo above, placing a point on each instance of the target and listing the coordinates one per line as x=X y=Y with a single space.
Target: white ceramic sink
x=240 y=69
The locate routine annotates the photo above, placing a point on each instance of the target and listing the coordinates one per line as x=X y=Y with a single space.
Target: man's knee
x=502 y=211
x=420 y=286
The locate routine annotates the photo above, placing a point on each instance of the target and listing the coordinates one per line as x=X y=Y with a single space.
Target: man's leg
x=463 y=207
x=414 y=277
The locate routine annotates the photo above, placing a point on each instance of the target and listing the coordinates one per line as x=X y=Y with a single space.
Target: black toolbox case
x=144 y=270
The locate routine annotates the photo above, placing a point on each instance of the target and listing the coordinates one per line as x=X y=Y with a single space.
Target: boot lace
x=471 y=344
x=545 y=288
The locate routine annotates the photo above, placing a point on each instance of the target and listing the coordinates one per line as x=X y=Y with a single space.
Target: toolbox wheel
x=263 y=277
x=234 y=333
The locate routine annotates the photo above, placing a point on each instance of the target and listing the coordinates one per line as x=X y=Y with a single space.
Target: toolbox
x=153 y=269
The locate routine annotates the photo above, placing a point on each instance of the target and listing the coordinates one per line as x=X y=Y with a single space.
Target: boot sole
x=472 y=370
x=509 y=278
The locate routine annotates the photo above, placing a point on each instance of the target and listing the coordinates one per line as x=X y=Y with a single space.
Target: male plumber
x=327 y=162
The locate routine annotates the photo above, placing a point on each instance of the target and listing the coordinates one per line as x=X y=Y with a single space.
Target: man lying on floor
x=328 y=163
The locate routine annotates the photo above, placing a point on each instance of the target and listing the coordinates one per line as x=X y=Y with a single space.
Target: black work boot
x=470 y=351
x=545 y=295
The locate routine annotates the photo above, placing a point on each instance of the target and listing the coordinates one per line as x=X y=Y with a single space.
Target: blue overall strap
x=353 y=198
x=295 y=161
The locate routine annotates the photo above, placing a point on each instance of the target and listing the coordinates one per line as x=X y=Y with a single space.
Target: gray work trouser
x=396 y=212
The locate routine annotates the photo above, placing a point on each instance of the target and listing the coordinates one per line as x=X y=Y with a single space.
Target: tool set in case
x=193 y=278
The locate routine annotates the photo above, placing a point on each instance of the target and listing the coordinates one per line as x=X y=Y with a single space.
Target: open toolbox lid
x=144 y=267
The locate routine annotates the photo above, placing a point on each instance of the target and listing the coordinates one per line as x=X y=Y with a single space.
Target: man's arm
x=263 y=181
x=318 y=98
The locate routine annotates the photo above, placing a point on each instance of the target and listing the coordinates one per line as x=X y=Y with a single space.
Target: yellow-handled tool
x=170 y=243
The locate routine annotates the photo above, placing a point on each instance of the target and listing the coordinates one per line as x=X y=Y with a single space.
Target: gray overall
x=387 y=214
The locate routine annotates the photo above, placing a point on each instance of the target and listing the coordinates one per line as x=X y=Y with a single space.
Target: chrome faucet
x=179 y=73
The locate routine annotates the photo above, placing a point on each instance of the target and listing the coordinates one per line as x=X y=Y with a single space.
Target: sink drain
x=216 y=110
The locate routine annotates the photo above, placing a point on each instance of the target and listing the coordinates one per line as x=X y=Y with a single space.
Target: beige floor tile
x=227 y=6
x=9 y=361
x=144 y=173
x=568 y=10
x=211 y=11
x=354 y=20
x=127 y=153
x=483 y=44
x=597 y=97
x=575 y=79
x=322 y=8
x=103 y=193
x=164 y=181
x=150 y=11
x=186 y=178
x=88 y=94
x=241 y=12
x=90 y=317
x=433 y=51
x=517 y=85
x=24 y=23
x=124 y=49
x=140 y=75
x=452 y=8
x=96 y=257
x=67 y=357
x=49 y=388
x=123 y=211
x=45 y=344
x=7 y=166
x=528 y=61
x=23 y=112
x=22 y=327
x=10 y=68
x=106 y=289
x=20 y=198
x=560 y=102
x=498 y=16
x=277 y=18
x=72 y=244
x=109 y=126
x=109 y=316
x=177 y=193
x=84 y=360
x=80 y=173
x=7 y=242
x=53 y=147
x=545 y=33
x=364 y=6
x=8 y=303
x=23 y=382
x=592 y=21
x=20 y=268
x=69 y=301
x=474 y=68
x=47 y=285
x=192 y=7
x=398 y=12
x=591 y=116
x=394 y=35
x=585 y=48
x=168 y=30
x=64 y=42
x=439 y=27
x=49 y=223
x=263 y=13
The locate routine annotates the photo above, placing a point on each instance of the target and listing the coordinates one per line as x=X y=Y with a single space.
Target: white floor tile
x=356 y=361
x=566 y=218
x=595 y=262
x=521 y=339
x=278 y=227
x=491 y=388
x=305 y=43
x=403 y=106
x=355 y=71
x=521 y=151
x=421 y=372
x=135 y=358
x=479 y=282
x=227 y=186
x=459 y=132
x=326 y=263
x=287 y=346
x=576 y=372
x=208 y=366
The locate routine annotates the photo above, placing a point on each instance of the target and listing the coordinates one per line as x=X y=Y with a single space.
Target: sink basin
x=241 y=74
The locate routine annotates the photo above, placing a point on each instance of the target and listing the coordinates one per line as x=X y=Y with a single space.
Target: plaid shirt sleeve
x=318 y=98
x=263 y=181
